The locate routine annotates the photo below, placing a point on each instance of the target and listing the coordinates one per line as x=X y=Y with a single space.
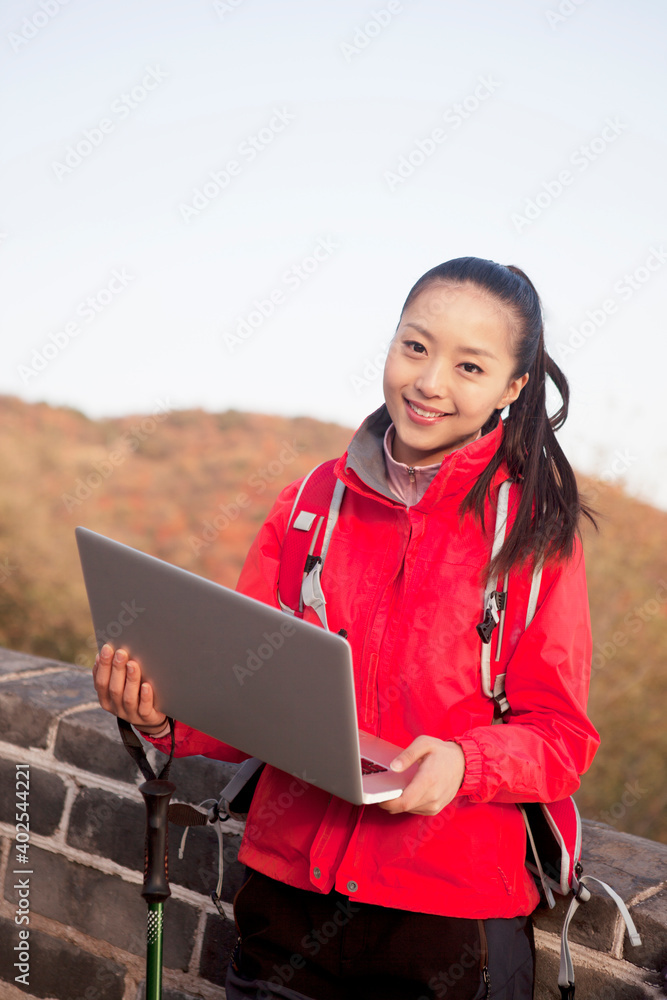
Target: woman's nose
x=432 y=381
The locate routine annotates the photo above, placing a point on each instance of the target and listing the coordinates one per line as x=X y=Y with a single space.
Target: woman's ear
x=513 y=391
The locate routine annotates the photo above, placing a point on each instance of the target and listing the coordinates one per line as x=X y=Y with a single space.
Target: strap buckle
x=495 y=603
x=311 y=562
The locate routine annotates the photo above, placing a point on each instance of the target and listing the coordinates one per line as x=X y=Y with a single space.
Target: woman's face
x=449 y=367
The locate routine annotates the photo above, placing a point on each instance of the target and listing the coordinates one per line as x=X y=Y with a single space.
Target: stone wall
x=80 y=887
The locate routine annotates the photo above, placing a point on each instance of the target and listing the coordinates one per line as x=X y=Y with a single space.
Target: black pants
x=303 y=945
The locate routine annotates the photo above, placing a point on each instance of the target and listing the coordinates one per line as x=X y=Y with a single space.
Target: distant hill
x=194 y=487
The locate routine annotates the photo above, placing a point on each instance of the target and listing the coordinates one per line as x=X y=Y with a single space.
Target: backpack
x=553 y=829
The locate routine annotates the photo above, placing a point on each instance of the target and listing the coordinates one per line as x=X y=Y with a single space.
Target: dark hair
x=550 y=507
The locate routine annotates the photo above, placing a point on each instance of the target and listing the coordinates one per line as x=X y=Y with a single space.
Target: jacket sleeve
x=539 y=755
x=258 y=579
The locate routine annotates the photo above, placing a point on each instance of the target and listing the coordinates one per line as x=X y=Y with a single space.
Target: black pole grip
x=156 y=796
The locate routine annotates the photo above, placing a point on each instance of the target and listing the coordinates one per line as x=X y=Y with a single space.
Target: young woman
x=426 y=895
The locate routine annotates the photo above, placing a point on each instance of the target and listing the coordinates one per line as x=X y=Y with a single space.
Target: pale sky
x=224 y=204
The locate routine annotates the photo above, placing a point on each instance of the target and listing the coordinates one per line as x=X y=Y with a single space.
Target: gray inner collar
x=365 y=455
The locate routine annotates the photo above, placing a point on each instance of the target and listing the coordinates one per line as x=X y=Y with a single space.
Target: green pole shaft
x=154 y=952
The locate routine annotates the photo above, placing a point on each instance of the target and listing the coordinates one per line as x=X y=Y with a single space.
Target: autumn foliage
x=193 y=488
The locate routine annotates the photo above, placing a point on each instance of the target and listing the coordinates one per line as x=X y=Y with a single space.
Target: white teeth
x=425 y=413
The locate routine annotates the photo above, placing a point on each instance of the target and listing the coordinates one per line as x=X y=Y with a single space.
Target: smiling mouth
x=427 y=414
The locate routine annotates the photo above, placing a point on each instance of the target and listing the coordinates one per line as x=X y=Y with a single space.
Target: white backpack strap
x=312 y=595
x=543 y=879
x=492 y=606
x=566 y=971
x=303 y=526
x=534 y=593
x=334 y=511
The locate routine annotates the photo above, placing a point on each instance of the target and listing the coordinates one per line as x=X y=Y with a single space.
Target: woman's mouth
x=421 y=415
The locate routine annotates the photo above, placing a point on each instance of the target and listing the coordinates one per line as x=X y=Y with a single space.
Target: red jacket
x=407 y=584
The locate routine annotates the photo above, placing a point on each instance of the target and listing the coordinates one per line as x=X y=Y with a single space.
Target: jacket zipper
x=484 y=957
x=411 y=473
x=400 y=569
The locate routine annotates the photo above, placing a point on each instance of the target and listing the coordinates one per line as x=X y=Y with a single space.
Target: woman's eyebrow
x=479 y=352
x=420 y=329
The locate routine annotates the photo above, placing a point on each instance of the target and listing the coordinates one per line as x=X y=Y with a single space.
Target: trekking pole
x=156 y=795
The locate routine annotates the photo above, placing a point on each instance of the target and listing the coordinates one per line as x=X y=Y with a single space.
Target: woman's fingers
x=120 y=689
x=117 y=679
x=102 y=674
x=438 y=778
x=130 y=695
x=147 y=711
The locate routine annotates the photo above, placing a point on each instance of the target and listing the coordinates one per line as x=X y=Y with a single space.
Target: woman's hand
x=120 y=690
x=438 y=778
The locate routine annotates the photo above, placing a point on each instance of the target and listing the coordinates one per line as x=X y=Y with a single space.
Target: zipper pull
x=411 y=473
x=487 y=981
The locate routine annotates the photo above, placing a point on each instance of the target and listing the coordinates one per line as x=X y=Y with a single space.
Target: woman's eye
x=415 y=346
x=470 y=367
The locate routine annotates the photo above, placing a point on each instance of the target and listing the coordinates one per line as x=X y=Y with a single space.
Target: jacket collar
x=362 y=468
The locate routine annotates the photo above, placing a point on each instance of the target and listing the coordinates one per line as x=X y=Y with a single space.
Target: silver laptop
x=269 y=684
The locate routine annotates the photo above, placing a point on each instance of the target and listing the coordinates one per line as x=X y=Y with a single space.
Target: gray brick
x=60 y=970
x=46 y=797
x=109 y=825
x=28 y=705
x=199 y=778
x=589 y=983
x=592 y=924
x=650 y=918
x=113 y=827
x=198 y=869
x=218 y=944
x=13 y=662
x=628 y=864
x=104 y=906
x=90 y=740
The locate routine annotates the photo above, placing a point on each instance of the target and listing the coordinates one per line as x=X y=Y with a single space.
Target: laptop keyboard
x=370 y=767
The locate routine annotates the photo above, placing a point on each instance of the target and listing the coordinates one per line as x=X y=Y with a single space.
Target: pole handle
x=156 y=795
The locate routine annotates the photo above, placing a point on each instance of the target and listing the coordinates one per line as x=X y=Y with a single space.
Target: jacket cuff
x=474 y=762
